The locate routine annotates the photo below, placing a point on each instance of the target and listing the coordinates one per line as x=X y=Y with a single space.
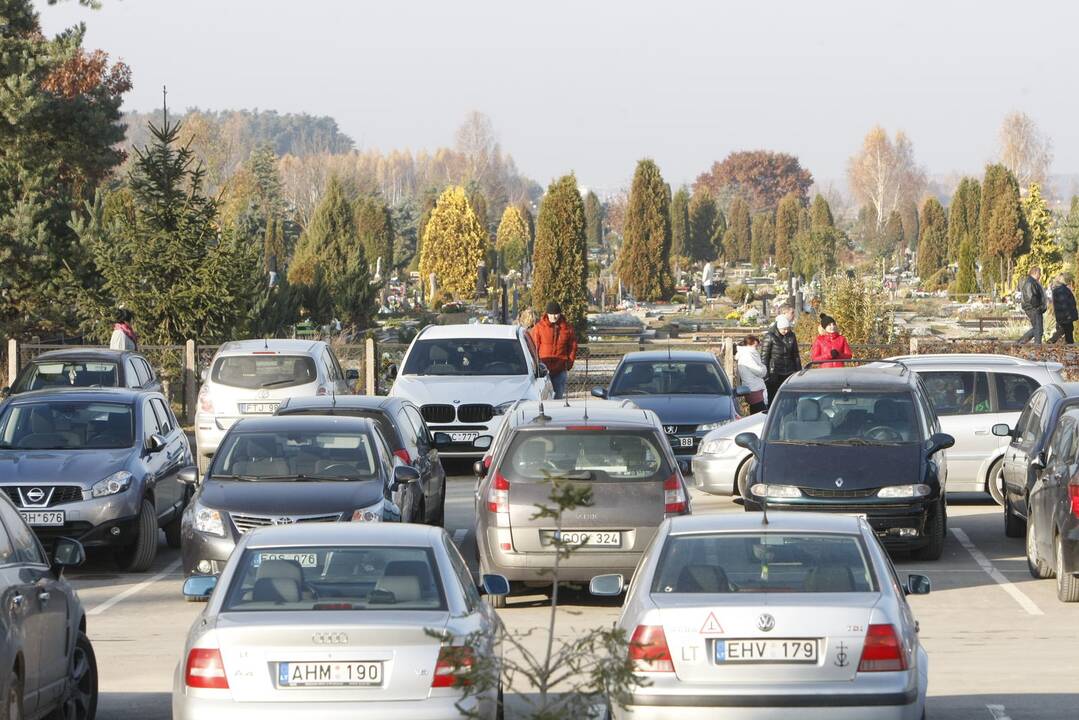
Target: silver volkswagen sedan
x=802 y=614
x=337 y=621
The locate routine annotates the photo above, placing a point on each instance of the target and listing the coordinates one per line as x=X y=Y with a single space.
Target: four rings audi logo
x=330 y=638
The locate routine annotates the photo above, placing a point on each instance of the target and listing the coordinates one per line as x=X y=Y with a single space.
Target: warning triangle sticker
x=711 y=625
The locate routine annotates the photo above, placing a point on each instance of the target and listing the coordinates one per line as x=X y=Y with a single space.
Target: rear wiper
x=277 y=382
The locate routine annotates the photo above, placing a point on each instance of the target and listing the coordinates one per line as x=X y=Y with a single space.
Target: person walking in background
x=1064 y=310
x=556 y=344
x=123 y=336
x=708 y=277
x=830 y=345
x=751 y=373
x=779 y=353
x=1032 y=300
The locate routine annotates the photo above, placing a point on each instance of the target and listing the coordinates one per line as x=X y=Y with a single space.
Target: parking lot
x=999 y=642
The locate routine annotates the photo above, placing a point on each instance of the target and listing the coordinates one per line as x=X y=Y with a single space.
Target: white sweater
x=751 y=370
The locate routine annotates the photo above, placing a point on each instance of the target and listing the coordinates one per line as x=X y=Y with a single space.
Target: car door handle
x=981 y=431
x=44 y=596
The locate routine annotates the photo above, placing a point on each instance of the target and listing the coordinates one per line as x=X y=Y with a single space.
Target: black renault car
x=293 y=469
x=856 y=440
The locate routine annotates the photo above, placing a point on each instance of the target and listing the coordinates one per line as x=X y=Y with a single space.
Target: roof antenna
x=764 y=508
x=586 y=406
x=265 y=343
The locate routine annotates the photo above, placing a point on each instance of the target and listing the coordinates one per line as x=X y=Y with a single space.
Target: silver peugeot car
x=337 y=621
x=752 y=620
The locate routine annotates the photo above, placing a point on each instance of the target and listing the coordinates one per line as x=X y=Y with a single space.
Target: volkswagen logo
x=330 y=638
x=839 y=482
x=283 y=521
x=670 y=429
x=766 y=622
x=35 y=495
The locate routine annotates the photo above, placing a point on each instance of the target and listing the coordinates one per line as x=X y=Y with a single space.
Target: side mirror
x=67 y=553
x=1002 y=430
x=352 y=374
x=606 y=585
x=742 y=390
x=542 y=371
x=683 y=466
x=599 y=393
x=482 y=442
x=188 y=475
x=441 y=440
x=939 y=441
x=494 y=585
x=155 y=443
x=199 y=587
x=917 y=585
x=391 y=372
x=749 y=441
x=479 y=469
x=405 y=475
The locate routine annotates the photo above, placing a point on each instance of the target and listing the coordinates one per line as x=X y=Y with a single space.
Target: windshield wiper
x=277 y=382
x=301 y=477
x=800 y=442
x=861 y=442
x=247 y=478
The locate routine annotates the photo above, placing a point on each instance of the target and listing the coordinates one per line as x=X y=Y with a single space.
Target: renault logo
x=766 y=622
x=839 y=482
x=330 y=638
x=35 y=495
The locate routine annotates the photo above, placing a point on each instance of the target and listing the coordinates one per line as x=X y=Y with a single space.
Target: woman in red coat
x=830 y=345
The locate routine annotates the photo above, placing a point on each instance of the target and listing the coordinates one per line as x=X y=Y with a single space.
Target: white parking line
x=990 y=570
x=998 y=712
x=124 y=595
x=459 y=535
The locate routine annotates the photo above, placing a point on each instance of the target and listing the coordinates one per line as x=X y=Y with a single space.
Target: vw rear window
x=597 y=455
x=264 y=371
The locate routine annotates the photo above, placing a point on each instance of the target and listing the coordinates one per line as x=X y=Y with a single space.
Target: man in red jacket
x=830 y=345
x=556 y=344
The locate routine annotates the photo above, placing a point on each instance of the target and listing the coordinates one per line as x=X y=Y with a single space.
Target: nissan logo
x=330 y=638
x=766 y=622
x=35 y=495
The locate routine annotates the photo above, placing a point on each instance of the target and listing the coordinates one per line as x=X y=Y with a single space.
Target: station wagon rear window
x=349 y=577
x=598 y=455
x=73 y=373
x=264 y=371
x=766 y=562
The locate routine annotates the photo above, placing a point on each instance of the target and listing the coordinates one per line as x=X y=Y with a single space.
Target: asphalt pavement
x=1000 y=644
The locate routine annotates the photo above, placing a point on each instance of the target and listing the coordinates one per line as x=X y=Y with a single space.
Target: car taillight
x=674 y=495
x=206 y=403
x=403 y=454
x=454 y=661
x=205 y=670
x=882 y=651
x=498 y=497
x=487 y=460
x=1073 y=494
x=648 y=650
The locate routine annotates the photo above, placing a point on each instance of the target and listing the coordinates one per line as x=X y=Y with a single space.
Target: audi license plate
x=259 y=408
x=459 y=437
x=329 y=674
x=684 y=442
x=592 y=538
x=789 y=650
x=44 y=518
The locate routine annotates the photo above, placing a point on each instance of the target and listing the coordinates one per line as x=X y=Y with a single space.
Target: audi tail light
x=205 y=669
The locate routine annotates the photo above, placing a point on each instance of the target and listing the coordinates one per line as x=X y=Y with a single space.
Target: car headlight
x=715 y=446
x=775 y=491
x=113 y=484
x=209 y=521
x=712 y=426
x=904 y=491
x=368 y=514
x=504 y=407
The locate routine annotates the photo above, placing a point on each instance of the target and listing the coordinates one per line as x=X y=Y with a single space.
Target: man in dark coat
x=1032 y=300
x=1064 y=309
x=779 y=352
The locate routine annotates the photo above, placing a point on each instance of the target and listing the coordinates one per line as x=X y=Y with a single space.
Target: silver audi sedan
x=337 y=621
x=800 y=615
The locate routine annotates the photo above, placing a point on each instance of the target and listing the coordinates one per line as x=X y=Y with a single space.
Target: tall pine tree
x=454 y=244
x=1000 y=224
x=933 y=242
x=644 y=262
x=681 y=244
x=1044 y=251
x=702 y=224
x=763 y=231
x=787 y=219
x=560 y=270
x=512 y=239
x=593 y=220
x=738 y=239
x=374 y=226
x=963 y=213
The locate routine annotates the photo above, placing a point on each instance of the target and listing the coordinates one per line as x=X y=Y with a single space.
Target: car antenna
x=764 y=509
x=265 y=343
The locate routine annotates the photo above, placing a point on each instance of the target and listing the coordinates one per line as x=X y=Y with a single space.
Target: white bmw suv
x=252 y=377
x=465 y=377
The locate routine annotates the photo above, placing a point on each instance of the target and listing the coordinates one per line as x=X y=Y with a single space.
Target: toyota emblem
x=35 y=495
x=263 y=394
x=839 y=482
x=766 y=622
x=283 y=521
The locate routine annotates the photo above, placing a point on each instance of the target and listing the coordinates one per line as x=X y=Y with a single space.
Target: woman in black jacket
x=779 y=351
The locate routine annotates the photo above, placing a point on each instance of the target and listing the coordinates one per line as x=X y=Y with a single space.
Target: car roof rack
x=851 y=361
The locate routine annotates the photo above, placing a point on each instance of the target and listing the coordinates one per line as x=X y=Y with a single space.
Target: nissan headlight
x=712 y=426
x=716 y=446
x=209 y=521
x=368 y=514
x=113 y=484
x=775 y=491
x=904 y=491
x=504 y=407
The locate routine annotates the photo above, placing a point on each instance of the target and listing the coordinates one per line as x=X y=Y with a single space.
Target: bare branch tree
x=884 y=175
x=1025 y=150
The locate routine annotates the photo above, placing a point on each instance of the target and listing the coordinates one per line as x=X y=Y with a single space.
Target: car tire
x=934 y=547
x=1067 y=584
x=440 y=518
x=173 y=536
x=1036 y=565
x=742 y=478
x=139 y=555
x=13 y=703
x=1014 y=526
x=995 y=481
x=81 y=700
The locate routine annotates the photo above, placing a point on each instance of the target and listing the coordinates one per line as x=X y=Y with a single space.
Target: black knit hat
x=826 y=320
x=553 y=308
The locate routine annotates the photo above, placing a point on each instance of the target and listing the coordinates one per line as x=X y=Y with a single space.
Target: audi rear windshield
x=254 y=372
x=592 y=455
x=466 y=356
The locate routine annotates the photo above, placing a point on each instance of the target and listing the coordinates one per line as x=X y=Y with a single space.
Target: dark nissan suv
x=856 y=440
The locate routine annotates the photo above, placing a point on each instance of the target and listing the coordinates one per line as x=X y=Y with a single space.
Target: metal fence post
x=12 y=360
x=728 y=356
x=369 y=367
x=190 y=381
x=914 y=345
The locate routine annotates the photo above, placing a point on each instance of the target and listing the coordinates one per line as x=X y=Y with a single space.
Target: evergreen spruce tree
x=763 y=231
x=933 y=242
x=560 y=270
x=681 y=243
x=963 y=215
x=908 y=214
x=702 y=222
x=512 y=239
x=454 y=243
x=719 y=232
x=274 y=249
x=820 y=214
x=787 y=219
x=1000 y=224
x=644 y=261
x=1044 y=251
x=966 y=278
x=374 y=226
x=814 y=246
x=738 y=239
x=891 y=239
x=1069 y=230
x=593 y=220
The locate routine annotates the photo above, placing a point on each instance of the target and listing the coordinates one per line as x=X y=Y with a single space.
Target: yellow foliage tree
x=512 y=238
x=454 y=243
